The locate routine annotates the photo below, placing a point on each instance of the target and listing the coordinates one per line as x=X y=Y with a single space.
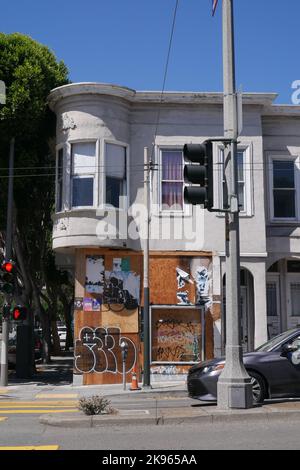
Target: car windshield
x=272 y=343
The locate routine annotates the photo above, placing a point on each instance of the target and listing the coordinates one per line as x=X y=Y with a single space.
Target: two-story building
x=99 y=223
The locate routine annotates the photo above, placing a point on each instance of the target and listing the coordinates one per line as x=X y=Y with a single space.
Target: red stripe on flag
x=214 y=7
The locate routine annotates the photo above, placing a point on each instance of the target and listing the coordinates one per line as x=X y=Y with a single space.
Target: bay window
x=115 y=174
x=83 y=172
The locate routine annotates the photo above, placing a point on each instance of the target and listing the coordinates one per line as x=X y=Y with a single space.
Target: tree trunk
x=68 y=321
x=55 y=337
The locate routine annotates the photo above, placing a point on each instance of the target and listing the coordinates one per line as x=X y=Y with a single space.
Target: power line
x=165 y=74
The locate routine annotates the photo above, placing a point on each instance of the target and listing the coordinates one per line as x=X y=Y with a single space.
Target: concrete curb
x=145 y=393
x=170 y=416
x=96 y=421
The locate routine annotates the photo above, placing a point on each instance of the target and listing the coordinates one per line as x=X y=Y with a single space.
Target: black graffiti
x=115 y=294
x=98 y=350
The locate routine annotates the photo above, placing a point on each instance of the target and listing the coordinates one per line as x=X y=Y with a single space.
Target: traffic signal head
x=199 y=173
x=8 y=267
x=19 y=313
x=7 y=277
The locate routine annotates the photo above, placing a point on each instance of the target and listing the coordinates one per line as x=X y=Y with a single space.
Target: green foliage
x=30 y=71
x=95 y=405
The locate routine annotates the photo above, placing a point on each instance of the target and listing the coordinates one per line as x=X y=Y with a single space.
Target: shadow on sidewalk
x=58 y=372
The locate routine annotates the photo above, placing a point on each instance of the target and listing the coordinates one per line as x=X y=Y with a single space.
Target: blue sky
x=126 y=41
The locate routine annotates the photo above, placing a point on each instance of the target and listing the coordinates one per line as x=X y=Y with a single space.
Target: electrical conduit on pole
x=234 y=385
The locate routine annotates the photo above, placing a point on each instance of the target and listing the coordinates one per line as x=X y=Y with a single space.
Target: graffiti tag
x=98 y=350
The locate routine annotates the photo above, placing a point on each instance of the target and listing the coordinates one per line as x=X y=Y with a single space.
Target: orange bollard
x=134 y=381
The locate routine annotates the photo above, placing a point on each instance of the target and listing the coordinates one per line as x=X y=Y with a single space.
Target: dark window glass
x=83 y=192
x=116 y=186
x=114 y=190
x=284 y=204
x=271 y=299
x=284 y=176
x=293 y=266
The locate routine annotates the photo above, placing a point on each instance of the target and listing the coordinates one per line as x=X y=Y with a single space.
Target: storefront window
x=176 y=335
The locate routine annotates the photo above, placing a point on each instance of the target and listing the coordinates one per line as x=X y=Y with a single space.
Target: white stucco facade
x=108 y=114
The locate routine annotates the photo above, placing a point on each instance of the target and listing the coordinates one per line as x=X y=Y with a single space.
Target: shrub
x=95 y=405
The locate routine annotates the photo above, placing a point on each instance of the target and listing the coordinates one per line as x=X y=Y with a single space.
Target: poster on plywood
x=94 y=280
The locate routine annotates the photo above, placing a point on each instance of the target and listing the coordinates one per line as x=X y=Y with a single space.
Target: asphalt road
x=26 y=430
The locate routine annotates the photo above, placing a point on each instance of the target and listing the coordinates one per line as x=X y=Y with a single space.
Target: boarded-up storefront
x=108 y=311
x=107 y=304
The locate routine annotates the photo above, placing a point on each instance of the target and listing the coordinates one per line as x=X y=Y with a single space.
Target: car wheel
x=258 y=388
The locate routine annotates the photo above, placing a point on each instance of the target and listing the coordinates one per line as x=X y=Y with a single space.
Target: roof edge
x=133 y=96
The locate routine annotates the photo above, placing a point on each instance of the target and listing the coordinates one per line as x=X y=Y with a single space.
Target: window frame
x=281 y=157
x=186 y=208
x=247 y=149
x=102 y=204
x=59 y=148
x=94 y=175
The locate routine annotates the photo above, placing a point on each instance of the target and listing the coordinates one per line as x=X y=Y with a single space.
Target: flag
x=214 y=7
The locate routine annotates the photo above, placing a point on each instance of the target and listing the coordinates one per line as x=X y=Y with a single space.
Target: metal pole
x=124 y=375
x=234 y=385
x=8 y=256
x=146 y=377
x=203 y=327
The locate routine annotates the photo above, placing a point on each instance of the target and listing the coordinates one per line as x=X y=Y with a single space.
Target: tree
x=30 y=70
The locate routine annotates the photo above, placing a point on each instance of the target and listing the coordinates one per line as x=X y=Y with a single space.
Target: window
x=272 y=299
x=293 y=266
x=241 y=180
x=284 y=189
x=115 y=165
x=59 y=182
x=171 y=180
x=295 y=299
x=83 y=174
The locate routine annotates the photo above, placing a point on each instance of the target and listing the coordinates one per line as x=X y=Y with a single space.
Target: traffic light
x=199 y=173
x=19 y=313
x=7 y=277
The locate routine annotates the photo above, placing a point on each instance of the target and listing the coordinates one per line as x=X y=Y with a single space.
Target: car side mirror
x=288 y=348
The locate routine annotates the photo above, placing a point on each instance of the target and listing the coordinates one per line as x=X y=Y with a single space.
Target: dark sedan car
x=274 y=369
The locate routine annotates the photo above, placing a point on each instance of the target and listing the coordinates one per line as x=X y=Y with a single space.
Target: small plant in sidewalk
x=95 y=405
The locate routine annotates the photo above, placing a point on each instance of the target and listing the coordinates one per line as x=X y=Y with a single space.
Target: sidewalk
x=152 y=406
x=202 y=414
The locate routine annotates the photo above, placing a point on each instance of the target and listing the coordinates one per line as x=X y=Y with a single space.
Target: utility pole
x=234 y=385
x=8 y=257
x=147 y=169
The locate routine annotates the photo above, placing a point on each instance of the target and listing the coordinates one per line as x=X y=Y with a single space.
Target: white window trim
x=95 y=175
x=58 y=148
x=247 y=149
x=102 y=175
x=271 y=157
x=187 y=208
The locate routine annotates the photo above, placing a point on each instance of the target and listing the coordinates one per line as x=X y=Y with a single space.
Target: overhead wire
x=165 y=75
